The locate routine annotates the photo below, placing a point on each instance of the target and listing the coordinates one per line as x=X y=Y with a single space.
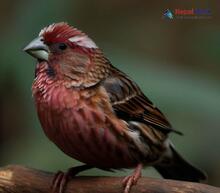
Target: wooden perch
x=18 y=179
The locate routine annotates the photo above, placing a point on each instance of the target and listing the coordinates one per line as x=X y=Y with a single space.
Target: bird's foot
x=61 y=179
x=132 y=179
x=59 y=182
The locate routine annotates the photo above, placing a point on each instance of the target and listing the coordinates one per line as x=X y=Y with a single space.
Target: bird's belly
x=84 y=135
x=99 y=148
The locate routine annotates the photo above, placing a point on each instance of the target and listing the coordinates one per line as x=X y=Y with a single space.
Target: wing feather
x=130 y=104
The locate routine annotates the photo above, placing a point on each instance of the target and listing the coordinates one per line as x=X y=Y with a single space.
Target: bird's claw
x=131 y=180
x=128 y=182
x=59 y=182
x=61 y=179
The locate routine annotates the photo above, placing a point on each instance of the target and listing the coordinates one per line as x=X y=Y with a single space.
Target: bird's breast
x=79 y=127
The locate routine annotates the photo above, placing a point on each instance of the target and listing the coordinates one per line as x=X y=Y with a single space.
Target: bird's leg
x=132 y=179
x=60 y=179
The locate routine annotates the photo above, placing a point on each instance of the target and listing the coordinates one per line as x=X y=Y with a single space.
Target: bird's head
x=69 y=51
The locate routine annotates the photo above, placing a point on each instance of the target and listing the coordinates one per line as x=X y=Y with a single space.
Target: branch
x=18 y=179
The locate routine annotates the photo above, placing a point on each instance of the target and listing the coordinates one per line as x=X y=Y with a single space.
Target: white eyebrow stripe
x=83 y=41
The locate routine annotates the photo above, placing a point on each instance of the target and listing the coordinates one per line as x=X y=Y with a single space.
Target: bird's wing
x=132 y=106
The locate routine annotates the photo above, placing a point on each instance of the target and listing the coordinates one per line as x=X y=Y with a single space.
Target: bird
x=97 y=114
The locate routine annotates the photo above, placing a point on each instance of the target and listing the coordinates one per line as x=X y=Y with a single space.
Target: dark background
x=175 y=62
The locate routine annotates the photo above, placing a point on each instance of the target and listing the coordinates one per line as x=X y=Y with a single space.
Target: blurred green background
x=176 y=63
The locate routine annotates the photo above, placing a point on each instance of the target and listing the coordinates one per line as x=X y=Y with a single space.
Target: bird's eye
x=62 y=46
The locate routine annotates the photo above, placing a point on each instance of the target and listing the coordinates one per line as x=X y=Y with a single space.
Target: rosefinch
x=96 y=114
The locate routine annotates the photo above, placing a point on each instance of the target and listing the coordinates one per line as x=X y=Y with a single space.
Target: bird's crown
x=64 y=33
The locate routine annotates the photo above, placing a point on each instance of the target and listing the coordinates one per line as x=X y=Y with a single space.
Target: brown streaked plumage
x=96 y=114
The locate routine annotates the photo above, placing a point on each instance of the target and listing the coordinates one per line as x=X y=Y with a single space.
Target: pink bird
x=96 y=114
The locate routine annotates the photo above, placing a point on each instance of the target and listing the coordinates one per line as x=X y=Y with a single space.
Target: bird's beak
x=37 y=49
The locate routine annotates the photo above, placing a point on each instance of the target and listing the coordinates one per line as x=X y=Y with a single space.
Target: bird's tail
x=178 y=169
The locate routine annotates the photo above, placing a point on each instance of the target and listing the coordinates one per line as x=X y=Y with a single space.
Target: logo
x=192 y=13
